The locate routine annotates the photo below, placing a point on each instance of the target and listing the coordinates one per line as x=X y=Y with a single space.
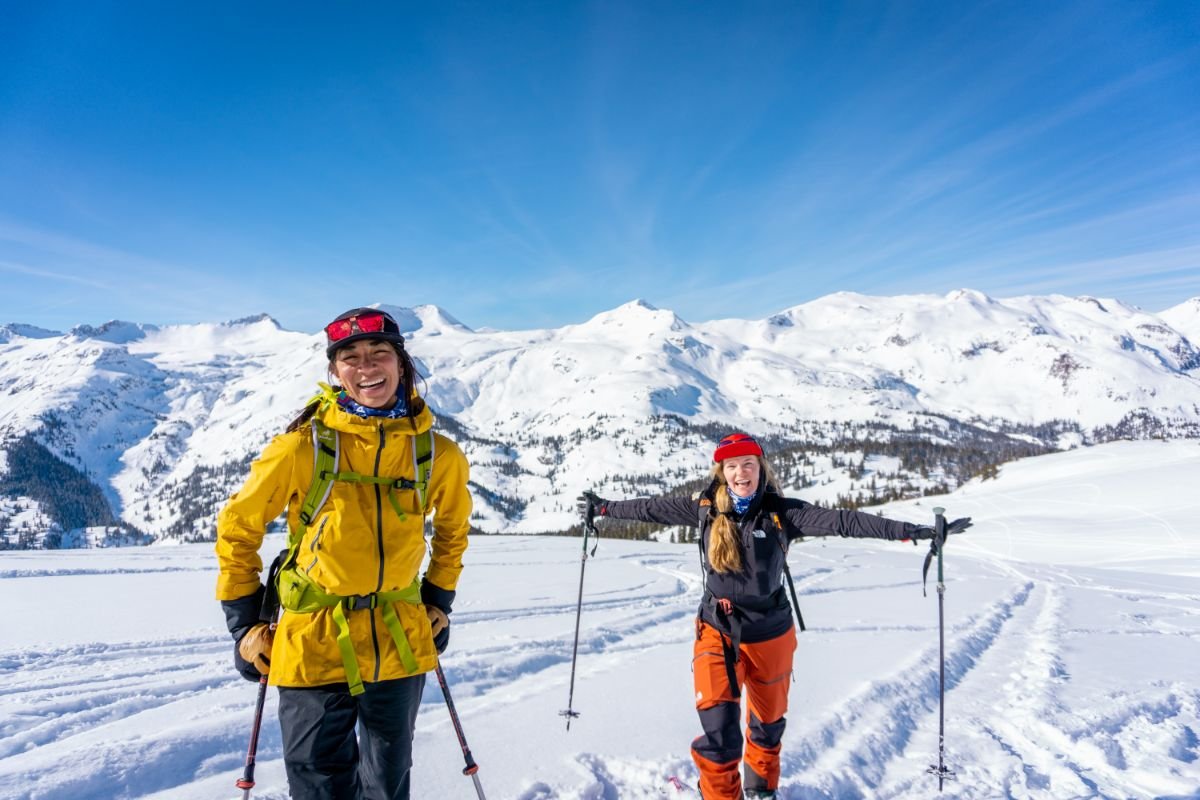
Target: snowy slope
x=1073 y=613
x=165 y=419
x=1185 y=318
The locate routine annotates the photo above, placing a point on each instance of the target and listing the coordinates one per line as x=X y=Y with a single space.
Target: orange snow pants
x=764 y=669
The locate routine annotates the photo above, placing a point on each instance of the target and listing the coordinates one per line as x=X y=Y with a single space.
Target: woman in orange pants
x=745 y=638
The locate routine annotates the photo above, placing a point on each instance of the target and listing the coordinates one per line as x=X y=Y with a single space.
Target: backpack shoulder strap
x=783 y=546
x=326 y=456
x=703 y=506
x=423 y=452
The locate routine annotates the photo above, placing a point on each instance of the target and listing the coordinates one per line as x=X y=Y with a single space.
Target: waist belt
x=299 y=594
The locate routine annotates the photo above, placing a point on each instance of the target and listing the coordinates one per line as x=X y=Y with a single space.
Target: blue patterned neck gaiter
x=740 y=504
x=348 y=405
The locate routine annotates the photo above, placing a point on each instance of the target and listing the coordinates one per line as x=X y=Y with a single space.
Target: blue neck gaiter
x=350 y=406
x=740 y=504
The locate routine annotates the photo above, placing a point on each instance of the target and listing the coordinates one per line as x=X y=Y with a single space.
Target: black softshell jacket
x=756 y=592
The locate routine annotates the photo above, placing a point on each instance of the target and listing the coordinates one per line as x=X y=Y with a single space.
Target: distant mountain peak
x=253 y=319
x=1185 y=318
x=970 y=295
x=638 y=313
x=115 y=331
x=1191 y=305
x=425 y=317
x=430 y=313
x=1083 y=298
x=19 y=329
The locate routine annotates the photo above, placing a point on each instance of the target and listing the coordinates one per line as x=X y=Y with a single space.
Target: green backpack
x=300 y=594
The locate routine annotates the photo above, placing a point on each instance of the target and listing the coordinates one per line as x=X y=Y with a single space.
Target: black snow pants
x=324 y=757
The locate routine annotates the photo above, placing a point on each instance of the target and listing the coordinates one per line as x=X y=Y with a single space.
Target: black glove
x=928 y=532
x=589 y=500
x=958 y=526
x=437 y=599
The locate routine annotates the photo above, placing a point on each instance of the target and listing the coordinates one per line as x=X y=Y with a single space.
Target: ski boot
x=758 y=794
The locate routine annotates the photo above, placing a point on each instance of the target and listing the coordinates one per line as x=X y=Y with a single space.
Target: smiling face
x=369 y=370
x=742 y=473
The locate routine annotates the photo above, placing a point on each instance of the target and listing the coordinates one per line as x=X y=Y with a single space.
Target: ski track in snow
x=1008 y=657
x=132 y=719
x=1046 y=748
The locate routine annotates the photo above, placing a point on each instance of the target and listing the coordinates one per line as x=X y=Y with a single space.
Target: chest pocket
x=768 y=558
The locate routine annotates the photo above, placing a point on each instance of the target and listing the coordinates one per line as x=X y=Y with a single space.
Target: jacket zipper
x=379 y=537
x=312 y=546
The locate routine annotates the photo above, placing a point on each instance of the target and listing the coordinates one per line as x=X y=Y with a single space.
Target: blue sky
x=529 y=165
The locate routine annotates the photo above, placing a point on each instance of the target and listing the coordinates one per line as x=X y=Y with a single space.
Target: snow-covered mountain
x=166 y=419
x=1185 y=318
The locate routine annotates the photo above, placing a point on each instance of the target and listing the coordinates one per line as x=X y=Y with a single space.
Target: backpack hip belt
x=300 y=595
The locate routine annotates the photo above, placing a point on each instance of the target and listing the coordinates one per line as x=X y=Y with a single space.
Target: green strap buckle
x=385 y=600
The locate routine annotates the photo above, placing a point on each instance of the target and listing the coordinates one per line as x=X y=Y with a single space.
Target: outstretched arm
x=805 y=519
x=661 y=510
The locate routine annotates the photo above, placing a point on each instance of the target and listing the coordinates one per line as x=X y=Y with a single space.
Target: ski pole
x=471 y=768
x=939 y=542
x=589 y=527
x=268 y=613
x=246 y=782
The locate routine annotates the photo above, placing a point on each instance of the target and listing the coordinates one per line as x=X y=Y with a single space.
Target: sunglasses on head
x=736 y=438
x=372 y=322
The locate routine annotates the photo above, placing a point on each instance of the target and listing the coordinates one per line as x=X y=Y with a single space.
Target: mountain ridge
x=148 y=410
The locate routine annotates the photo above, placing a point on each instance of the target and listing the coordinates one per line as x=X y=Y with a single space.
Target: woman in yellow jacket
x=358 y=630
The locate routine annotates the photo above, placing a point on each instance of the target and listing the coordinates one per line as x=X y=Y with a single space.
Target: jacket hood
x=334 y=417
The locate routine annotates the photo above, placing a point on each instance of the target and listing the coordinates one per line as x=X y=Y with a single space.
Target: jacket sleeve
x=662 y=510
x=805 y=519
x=243 y=521
x=451 y=501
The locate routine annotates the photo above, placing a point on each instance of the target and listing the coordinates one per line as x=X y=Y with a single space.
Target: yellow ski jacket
x=356 y=544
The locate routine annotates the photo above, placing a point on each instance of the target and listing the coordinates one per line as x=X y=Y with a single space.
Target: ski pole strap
x=270 y=603
x=933 y=549
x=589 y=529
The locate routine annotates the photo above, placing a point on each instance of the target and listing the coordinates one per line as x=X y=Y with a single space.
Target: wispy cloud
x=39 y=272
x=111 y=281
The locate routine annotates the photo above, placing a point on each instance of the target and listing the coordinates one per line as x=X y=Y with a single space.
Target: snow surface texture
x=1073 y=614
x=154 y=414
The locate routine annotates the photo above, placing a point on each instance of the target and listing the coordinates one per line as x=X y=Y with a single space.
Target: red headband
x=736 y=444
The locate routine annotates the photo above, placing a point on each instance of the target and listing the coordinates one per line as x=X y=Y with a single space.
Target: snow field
x=1072 y=608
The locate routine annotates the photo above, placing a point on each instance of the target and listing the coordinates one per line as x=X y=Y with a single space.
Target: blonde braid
x=724 y=549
